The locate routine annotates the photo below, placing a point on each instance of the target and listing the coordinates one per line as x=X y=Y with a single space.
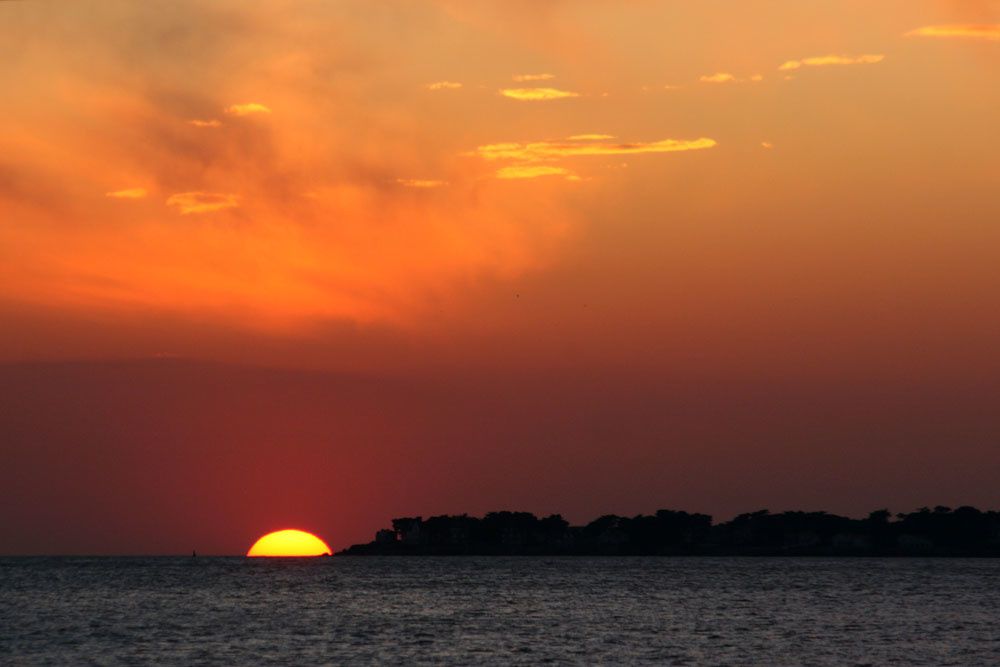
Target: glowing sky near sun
x=764 y=192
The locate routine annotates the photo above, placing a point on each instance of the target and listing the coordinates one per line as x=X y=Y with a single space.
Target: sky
x=317 y=264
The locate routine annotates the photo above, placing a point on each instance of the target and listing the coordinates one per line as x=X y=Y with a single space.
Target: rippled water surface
x=500 y=611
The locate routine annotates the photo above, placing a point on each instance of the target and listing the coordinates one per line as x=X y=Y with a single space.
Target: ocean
x=518 y=610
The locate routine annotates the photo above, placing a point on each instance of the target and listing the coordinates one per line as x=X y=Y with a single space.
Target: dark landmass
x=941 y=531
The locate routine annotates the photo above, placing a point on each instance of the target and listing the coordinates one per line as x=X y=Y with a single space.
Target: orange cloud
x=718 y=77
x=202 y=202
x=549 y=150
x=421 y=183
x=517 y=172
x=444 y=85
x=522 y=78
x=537 y=94
x=832 y=60
x=361 y=247
x=247 y=109
x=726 y=77
x=967 y=31
x=237 y=241
x=591 y=137
x=131 y=193
x=205 y=123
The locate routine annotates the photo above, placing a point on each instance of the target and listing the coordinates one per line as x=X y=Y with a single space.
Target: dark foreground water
x=235 y=611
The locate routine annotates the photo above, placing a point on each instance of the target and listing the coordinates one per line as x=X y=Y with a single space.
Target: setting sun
x=289 y=543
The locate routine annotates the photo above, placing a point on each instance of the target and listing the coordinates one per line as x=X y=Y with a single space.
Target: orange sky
x=585 y=206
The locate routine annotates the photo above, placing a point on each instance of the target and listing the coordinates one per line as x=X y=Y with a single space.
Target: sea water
x=525 y=610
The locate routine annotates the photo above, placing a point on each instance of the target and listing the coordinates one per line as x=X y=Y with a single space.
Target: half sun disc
x=284 y=543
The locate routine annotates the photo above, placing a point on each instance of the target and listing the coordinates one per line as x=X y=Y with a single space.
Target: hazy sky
x=315 y=264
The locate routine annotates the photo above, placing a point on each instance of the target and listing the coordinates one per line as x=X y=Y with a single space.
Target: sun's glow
x=289 y=543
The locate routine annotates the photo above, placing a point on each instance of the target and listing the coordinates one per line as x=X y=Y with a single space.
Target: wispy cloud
x=728 y=77
x=537 y=94
x=967 y=31
x=718 y=77
x=651 y=88
x=261 y=252
x=247 y=109
x=521 y=78
x=423 y=183
x=551 y=150
x=131 y=193
x=591 y=137
x=523 y=171
x=202 y=202
x=832 y=60
x=444 y=85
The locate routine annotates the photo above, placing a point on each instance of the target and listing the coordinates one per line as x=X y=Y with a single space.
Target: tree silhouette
x=965 y=531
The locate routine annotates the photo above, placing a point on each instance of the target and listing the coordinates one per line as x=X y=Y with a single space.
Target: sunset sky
x=316 y=264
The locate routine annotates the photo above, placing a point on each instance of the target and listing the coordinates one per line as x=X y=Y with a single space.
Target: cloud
x=423 y=183
x=726 y=77
x=359 y=248
x=205 y=123
x=522 y=78
x=967 y=31
x=537 y=94
x=247 y=109
x=827 y=61
x=523 y=171
x=591 y=137
x=766 y=144
x=444 y=85
x=131 y=193
x=202 y=202
x=550 y=150
x=718 y=77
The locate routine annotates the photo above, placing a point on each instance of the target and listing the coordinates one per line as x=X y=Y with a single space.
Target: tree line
x=941 y=531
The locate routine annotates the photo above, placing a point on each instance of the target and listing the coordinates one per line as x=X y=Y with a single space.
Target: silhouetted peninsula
x=941 y=531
